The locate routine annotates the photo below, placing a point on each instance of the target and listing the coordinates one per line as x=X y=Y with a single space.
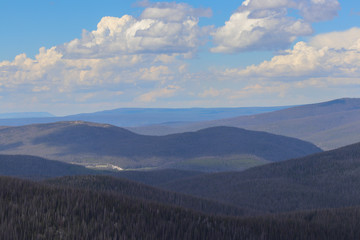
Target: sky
x=67 y=57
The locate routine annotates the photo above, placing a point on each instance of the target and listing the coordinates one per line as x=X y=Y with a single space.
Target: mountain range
x=290 y=189
x=90 y=143
x=136 y=116
x=328 y=125
x=26 y=115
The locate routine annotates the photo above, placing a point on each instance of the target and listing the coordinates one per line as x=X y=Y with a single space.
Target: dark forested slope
x=140 y=191
x=155 y=177
x=25 y=166
x=36 y=211
x=328 y=179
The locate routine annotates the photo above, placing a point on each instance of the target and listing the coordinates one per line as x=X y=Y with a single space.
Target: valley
x=180 y=120
x=213 y=182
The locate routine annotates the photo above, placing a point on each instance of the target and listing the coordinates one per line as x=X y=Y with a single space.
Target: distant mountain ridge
x=126 y=117
x=329 y=125
x=25 y=115
x=83 y=142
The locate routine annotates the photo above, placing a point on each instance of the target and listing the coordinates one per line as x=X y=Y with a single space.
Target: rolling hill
x=328 y=125
x=57 y=173
x=90 y=143
x=37 y=168
x=25 y=166
x=323 y=180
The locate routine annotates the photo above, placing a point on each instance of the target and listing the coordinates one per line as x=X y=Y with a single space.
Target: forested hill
x=82 y=142
x=32 y=167
x=324 y=180
x=35 y=211
x=131 y=189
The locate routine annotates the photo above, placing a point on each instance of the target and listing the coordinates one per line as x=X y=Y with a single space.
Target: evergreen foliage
x=324 y=180
x=35 y=211
x=140 y=191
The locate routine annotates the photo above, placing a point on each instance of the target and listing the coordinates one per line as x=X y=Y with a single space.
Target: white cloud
x=211 y=92
x=172 y=11
x=266 y=25
x=248 y=90
x=259 y=90
x=152 y=96
x=318 y=10
x=134 y=61
x=156 y=73
x=324 y=55
x=124 y=54
x=325 y=67
x=161 y=28
x=338 y=40
x=41 y=89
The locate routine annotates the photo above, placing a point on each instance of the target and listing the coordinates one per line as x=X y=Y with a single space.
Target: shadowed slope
x=89 y=142
x=328 y=179
x=140 y=191
x=35 y=211
x=25 y=166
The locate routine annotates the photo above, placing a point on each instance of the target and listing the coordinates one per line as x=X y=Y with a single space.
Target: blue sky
x=81 y=56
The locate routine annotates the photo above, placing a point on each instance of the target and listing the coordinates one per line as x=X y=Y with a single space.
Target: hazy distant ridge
x=137 y=116
x=98 y=143
x=24 y=115
x=329 y=125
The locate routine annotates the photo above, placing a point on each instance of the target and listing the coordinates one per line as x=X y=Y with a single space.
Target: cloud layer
x=132 y=55
x=144 y=61
x=162 y=28
x=327 y=65
x=334 y=54
x=268 y=25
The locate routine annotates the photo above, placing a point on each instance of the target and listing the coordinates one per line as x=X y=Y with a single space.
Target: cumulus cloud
x=124 y=54
x=156 y=73
x=326 y=66
x=161 y=28
x=267 y=25
x=172 y=11
x=330 y=54
x=337 y=40
x=318 y=10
